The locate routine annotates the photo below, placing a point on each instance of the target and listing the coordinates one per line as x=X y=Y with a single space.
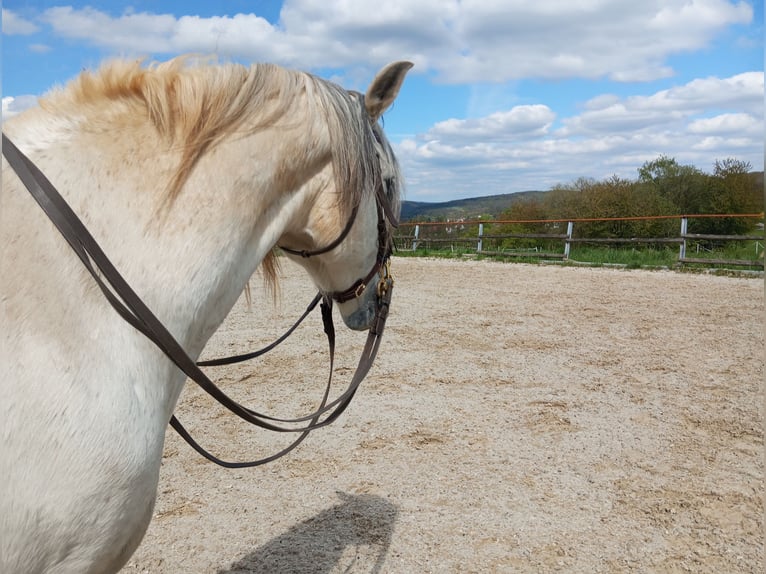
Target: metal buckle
x=386 y=279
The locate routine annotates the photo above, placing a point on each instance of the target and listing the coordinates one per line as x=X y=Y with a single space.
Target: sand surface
x=519 y=418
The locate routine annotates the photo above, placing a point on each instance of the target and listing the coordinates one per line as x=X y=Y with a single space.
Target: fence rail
x=417 y=239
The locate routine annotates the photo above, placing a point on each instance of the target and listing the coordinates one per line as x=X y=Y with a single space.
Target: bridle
x=385 y=239
x=382 y=258
x=135 y=312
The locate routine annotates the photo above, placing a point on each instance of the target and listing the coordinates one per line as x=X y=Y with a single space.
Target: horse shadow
x=352 y=536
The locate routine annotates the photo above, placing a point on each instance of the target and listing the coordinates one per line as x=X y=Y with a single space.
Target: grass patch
x=630 y=257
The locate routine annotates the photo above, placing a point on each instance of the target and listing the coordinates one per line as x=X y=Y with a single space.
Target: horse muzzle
x=360 y=312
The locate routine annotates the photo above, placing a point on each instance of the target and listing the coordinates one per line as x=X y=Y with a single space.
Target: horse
x=189 y=173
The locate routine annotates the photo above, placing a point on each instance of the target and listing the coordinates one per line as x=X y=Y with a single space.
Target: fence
x=456 y=234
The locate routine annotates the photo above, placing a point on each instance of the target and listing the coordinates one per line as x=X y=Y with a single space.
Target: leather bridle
x=385 y=240
x=134 y=311
x=382 y=258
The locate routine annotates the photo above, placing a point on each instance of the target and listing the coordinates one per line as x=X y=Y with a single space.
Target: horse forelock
x=390 y=170
x=362 y=156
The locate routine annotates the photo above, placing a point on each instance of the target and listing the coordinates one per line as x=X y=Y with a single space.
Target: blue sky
x=505 y=96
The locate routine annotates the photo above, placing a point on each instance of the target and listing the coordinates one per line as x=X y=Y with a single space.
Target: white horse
x=188 y=175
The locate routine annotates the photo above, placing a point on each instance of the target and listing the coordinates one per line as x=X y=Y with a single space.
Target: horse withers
x=188 y=175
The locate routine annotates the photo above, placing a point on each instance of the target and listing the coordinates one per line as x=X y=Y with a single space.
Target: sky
x=505 y=95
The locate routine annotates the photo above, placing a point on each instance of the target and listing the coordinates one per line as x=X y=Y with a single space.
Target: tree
x=659 y=170
x=740 y=191
x=564 y=201
x=684 y=186
x=734 y=189
x=528 y=211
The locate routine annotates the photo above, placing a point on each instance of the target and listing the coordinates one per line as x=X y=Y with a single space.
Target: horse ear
x=385 y=87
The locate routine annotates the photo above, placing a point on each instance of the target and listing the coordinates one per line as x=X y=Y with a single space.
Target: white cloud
x=39 y=48
x=13 y=24
x=624 y=41
x=128 y=33
x=462 y=42
x=729 y=124
x=743 y=92
x=519 y=121
x=15 y=105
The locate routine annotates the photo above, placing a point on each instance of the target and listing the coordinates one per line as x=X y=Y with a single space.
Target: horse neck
x=228 y=217
x=192 y=260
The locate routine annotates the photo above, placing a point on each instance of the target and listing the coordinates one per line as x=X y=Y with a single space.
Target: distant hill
x=470 y=208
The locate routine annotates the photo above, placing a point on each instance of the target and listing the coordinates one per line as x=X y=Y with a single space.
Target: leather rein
x=135 y=312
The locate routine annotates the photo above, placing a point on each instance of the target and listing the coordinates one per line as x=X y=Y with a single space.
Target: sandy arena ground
x=519 y=418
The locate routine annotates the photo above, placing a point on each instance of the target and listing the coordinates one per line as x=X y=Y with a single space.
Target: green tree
x=614 y=197
x=734 y=189
x=529 y=213
x=622 y=198
x=684 y=186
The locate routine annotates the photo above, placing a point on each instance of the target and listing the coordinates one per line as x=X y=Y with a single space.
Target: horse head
x=346 y=247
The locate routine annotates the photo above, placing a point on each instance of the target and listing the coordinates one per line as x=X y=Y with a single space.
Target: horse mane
x=195 y=104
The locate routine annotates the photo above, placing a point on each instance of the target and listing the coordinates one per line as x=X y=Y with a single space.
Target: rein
x=134 y=311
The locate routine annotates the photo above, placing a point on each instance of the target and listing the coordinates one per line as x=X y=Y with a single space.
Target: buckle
x=386 y=279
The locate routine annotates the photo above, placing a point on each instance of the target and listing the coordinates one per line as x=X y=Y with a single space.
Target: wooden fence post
x=567 y=243
x=682 y=248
